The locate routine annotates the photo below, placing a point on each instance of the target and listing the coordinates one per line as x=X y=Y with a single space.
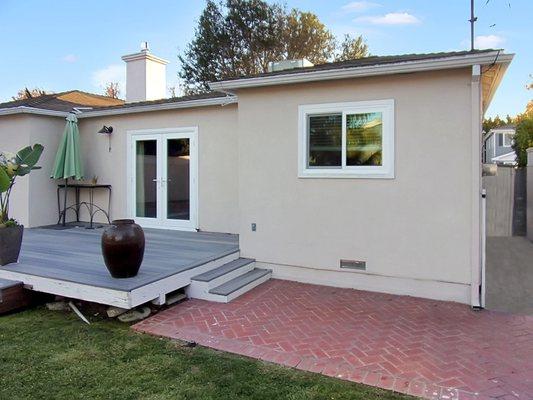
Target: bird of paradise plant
x=11 y=167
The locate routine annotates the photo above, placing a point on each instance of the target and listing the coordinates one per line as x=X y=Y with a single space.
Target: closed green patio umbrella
x=68 y=161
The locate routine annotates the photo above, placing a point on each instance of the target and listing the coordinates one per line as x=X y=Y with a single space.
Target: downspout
x=477 y=233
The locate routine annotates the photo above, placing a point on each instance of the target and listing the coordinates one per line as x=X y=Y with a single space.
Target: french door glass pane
x=178 y=172
x=325 y=140
x=364 y=133
x=146 y=174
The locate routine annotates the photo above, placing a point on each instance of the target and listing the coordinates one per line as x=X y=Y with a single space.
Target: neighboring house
x=335 y=174
x=498 y=144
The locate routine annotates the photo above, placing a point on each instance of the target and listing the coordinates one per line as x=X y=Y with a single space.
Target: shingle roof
x=64 y=101
x=201 y=96
x=364 y=62
x=504 y=127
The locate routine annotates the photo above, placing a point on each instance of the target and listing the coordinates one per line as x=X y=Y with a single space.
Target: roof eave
x=222 y=101
x=32 y=110
x=215 y=101
x=495 y=82
x=371 y=70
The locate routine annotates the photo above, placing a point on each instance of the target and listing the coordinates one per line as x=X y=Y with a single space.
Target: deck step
x=12 y=295
x=222 y=270
x=240 y=285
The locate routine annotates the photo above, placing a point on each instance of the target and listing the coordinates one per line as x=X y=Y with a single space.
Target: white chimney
x=145 y=76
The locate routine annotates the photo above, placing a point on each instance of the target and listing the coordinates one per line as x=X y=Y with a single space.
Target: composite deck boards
x=74 y=255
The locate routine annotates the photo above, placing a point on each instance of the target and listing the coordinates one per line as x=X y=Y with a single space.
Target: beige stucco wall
x=414 y=231
x=14 y=135
x=43 y=190
x=416 y=226
x=33 y=200
x=217 y=164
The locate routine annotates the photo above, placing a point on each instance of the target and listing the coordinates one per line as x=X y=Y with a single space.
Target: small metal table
x=92 y=208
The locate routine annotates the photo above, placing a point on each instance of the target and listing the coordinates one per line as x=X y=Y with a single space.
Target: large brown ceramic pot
x=123 y=248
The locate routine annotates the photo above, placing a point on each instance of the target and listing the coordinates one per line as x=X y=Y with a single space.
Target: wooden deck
x=70 y=263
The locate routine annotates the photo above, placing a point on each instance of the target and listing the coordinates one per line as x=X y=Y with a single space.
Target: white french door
x=163 y=186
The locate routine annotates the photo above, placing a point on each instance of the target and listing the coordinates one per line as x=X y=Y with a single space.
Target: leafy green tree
x=240 y=37
x=523 y=139
x=524 y=132
x=351 y=48
x=306 y=37
x=491 y=123
x=209 y=55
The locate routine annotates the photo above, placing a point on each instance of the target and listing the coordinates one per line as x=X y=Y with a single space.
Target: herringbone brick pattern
x=432 y=349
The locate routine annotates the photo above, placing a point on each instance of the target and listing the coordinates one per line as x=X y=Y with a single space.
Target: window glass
x=178 y=171
x=325 y=140
x=145 y=179
x=508 y=140
x=364 y=139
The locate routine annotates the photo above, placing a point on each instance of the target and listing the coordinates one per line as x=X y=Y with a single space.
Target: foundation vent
x=353 y=264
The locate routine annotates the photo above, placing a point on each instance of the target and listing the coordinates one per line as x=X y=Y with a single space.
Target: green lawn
x=53 y=355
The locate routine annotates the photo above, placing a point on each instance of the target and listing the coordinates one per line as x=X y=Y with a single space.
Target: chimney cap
x=144 y=54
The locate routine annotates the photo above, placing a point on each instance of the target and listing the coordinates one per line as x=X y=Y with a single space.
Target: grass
x=52 y=355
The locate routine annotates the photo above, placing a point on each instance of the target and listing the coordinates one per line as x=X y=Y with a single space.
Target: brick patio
x=422 y=347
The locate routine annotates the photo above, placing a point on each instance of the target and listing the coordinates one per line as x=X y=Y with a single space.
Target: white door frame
x=161 y=136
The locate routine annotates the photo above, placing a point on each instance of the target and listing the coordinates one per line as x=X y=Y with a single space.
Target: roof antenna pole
x=472 y=20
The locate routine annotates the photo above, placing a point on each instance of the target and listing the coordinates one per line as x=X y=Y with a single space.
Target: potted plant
x=12 y=166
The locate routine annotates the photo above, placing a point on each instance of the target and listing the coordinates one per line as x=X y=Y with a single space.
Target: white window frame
x=507 y=136
x=384 y=171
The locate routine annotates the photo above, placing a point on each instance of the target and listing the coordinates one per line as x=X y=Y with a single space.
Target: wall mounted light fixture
x=107 y=130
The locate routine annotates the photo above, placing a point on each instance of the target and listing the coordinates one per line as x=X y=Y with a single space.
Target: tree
x=306 y=37
x=112 y=89
x=208 y=55
x=241 y=37
x=352 y=48
x=491 y=123
x=524 y=132
x=523 y=139
x=24 y=94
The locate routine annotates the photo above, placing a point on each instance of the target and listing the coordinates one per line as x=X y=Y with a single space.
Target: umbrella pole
x=65 y=202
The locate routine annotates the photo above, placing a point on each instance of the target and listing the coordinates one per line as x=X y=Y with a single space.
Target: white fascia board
x=371 y=70
x=222 y=101
x=32 y=110
x=511 y=156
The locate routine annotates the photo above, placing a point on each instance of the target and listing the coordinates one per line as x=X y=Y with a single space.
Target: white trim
x=72 y=290
x=425 y=288
x=506 y=135
x=171 y=283
x=32 y=110
x=217 y=101
x=476 y=188
x=483 y=246
x=144 y=55
x=386 y=171
x=220 y=101
x=220 y=298
x=161 y=136
x=114 y=297
x=371 y=70
x=505 y=157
